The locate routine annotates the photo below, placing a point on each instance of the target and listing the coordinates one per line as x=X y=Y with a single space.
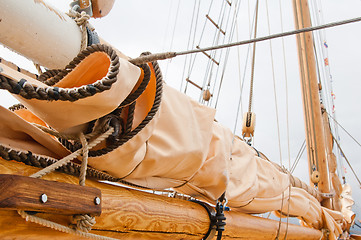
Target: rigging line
x=321 y=68
x=239 y=105
x=216 y=38
x=190 y=67
x=274 y=86
x=163 y=56
x=175 y=25
x=344 y=156
x=172 y=39
x=239 y=69
x=214 y=53
x=224 y=65
x=320 y=38
x=357 y=225
x=252 y=71
x=205 y=23
x=167 y=26
x=232 y=29
x=343 y=129
x=188 y=45
x=200 y=39
x=298 y=157
x=286 y=89
x=328 y=81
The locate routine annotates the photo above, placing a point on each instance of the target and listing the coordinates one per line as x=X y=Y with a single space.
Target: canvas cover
x=182 y=148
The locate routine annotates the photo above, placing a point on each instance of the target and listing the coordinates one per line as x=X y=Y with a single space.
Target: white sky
x=141 y=25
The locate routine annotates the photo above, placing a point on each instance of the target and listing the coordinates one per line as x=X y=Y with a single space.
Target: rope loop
x=124 y=127
x=221 y=206
x=32 y=91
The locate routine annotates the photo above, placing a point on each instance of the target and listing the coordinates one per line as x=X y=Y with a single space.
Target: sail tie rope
x=84 y=222
x=81 y=19
x=216 y=216
x=220 y=218
x=71 y=156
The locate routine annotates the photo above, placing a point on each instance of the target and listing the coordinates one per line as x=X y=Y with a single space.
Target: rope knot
x=83 y=222
x=81 y=18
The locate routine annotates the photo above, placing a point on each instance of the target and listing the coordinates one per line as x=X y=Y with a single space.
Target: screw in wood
x=43 y=198
x=97 y=200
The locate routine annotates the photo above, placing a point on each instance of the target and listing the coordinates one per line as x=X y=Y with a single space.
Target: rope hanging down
x=167 y=55
x=252 y=72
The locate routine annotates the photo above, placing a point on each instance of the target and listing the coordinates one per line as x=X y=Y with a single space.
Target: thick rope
x=83 y=222
x=248 y=122
x=59 y=227
x=126 y=136
x=30 y=91
x=84 y=163
x=81 y=20
x=56 y=133
x=37 y=66
x=71 y=156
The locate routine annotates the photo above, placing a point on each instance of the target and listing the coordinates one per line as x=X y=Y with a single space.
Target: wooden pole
x=132 y=214
x=311 y=102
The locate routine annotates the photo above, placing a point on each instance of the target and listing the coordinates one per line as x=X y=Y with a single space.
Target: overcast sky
x=141 y=25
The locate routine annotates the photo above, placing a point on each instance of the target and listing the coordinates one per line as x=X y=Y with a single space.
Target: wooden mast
x=311 y=102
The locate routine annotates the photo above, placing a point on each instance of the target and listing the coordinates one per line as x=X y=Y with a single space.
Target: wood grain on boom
x=133 y=214
x=32 y=194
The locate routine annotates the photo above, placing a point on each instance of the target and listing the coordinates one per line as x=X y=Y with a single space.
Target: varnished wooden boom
x=32 y=194
x=132 y=214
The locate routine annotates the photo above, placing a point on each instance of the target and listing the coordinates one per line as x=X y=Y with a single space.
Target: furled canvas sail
x=169 y=143
x=183 y=148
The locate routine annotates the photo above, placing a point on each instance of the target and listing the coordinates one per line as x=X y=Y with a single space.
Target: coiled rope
x=30 y=91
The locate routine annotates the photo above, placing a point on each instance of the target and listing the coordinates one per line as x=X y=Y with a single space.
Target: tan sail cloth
x=347 y=203
x=182 y=147
x=21 y=135
x=65 y=115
